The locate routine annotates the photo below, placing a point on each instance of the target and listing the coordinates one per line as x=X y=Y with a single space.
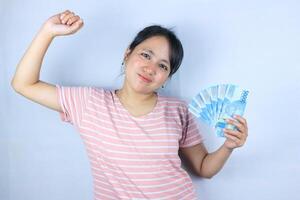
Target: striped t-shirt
x=132 y=157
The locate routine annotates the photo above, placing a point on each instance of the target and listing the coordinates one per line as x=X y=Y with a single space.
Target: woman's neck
x=131 y=98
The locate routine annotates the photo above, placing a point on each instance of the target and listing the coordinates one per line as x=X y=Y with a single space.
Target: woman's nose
x=150 y=68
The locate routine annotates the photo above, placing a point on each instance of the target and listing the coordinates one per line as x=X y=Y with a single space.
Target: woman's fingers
x=239 y=126
x=233 y=138
x=233 y=133
x=64 y=23
x=78 y=24
x=73 y=19
x=63 y=14
x=241 y=120
x=237 y=137
x=68 y=18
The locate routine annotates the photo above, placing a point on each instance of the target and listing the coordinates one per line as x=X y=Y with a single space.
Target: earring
x=123 y=65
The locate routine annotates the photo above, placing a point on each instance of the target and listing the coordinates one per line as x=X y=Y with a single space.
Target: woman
x=133 y=134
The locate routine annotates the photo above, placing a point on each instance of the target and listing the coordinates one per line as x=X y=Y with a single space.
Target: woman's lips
x=144 y=78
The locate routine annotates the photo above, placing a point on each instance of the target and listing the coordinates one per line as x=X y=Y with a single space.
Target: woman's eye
x=164 y=67
x=145 y=55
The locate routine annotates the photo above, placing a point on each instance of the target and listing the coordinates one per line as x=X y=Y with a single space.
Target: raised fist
x=64 y=23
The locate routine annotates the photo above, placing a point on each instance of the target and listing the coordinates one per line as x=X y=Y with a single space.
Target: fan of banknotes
x=217 y=103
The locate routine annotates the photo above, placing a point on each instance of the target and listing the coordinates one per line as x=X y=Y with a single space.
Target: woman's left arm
x=213 y=162
x=207 y=164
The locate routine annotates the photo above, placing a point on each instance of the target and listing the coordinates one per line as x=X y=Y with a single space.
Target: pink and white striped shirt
x=132 y=157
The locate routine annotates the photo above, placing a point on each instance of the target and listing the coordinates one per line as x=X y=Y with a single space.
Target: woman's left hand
x=236 y=138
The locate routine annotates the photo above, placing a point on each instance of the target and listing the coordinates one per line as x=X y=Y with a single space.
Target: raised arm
x=26 y=79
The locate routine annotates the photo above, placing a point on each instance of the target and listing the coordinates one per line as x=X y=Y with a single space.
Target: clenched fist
x=64 y=23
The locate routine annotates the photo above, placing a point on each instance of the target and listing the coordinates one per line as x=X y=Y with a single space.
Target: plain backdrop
x=254 y=44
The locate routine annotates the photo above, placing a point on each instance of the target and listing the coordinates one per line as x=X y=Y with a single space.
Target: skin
x=150 y=59
x=137 y=95
x=26 y=78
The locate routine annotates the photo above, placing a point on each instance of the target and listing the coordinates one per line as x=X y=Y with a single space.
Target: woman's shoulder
x=104 y=93
x=99 y=89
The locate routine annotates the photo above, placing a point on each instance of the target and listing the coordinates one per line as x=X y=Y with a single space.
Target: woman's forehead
x=158 y=45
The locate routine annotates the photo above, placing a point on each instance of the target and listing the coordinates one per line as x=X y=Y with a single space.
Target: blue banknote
x=217 y=103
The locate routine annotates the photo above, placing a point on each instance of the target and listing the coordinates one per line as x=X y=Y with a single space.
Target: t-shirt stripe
x=132 y=157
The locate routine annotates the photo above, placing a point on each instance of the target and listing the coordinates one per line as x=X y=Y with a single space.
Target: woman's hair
x=176 y=50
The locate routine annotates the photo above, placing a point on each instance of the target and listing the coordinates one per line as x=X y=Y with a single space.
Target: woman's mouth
x=144 y=79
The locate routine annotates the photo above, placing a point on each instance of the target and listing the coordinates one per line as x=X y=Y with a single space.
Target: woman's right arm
x=26 y=79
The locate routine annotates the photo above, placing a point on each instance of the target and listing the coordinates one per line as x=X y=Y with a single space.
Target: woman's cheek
x=162 y=78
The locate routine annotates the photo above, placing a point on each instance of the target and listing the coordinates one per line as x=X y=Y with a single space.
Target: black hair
x=176 y=50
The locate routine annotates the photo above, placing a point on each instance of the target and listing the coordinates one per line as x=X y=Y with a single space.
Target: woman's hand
x=236 y=138
x=64 y=23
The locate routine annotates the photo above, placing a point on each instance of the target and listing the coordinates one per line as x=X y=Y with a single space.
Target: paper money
x=217 y=103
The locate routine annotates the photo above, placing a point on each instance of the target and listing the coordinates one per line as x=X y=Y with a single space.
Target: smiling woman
x=133 y=134
x=150 y=67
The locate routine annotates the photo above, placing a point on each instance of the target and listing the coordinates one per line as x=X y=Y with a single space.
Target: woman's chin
x=143 y=90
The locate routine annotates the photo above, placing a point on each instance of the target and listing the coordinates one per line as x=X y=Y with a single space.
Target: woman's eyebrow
x=151 y=52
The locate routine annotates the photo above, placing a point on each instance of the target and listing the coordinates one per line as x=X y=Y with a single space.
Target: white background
x=254 y=44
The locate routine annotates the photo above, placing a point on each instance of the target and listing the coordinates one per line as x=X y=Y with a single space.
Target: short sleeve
x=73 y=101
x=190 y=133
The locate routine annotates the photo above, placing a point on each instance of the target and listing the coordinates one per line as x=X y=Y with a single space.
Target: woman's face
x=148 y=65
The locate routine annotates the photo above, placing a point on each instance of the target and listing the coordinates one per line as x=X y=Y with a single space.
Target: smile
x=144 y=79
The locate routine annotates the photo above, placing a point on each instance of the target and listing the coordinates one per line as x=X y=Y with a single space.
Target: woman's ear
x=127 y=53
